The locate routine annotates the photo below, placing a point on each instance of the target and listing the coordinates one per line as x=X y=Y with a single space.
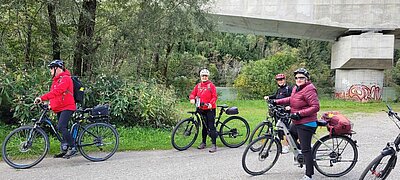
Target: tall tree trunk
x=28 y=44
x=84 y=48
x=165 y=71
x=54 y=29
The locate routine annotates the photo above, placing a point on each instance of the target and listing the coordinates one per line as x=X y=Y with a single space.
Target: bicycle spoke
x=98 y=141
x=25 y=147
x=335 y=156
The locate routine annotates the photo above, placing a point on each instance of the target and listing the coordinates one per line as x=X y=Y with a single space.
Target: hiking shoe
x=285 y=149
x=201 y=146
x=213 y=148
x=71 y=151
x=60 y=155
x=305 y=177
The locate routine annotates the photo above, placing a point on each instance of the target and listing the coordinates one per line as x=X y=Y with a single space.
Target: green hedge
x=132 y=102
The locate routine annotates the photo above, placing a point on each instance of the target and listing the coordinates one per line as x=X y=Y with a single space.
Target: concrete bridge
x=364 y=34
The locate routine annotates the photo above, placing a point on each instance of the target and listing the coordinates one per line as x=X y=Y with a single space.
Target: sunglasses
x=301 y=78
x=281 y=79
x=204 y=76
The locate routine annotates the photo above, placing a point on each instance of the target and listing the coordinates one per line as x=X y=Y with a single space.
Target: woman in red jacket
x=206 y=95
x=62 y=103
x=304 y=105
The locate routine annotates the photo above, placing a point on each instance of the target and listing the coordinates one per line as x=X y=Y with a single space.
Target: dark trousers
x=209 y=116
x=62 y=126
x=304 y=134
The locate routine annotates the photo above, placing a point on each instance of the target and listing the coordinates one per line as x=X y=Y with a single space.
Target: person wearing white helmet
x=206 y=95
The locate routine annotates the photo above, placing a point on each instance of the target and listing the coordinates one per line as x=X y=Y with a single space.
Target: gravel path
x=373 y=131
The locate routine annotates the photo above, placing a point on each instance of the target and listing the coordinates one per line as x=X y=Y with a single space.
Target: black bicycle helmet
x=302 y=71
x=56 y=63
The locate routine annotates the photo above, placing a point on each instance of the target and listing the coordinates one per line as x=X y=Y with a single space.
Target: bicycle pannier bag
x=232 y=111
x=338 y=124
x=101 y=110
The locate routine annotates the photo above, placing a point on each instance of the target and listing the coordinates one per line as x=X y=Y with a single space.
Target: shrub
x=132 y=102
x=257 y=78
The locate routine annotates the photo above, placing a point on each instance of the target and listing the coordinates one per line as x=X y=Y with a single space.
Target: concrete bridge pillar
x=359 y=61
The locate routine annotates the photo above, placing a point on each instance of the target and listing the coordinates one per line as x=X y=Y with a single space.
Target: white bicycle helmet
x=204 y=72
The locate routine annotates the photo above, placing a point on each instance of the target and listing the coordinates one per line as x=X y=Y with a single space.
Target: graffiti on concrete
x=360 y=92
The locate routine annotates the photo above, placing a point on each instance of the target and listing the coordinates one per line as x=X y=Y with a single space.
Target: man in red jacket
x=62 y=103
x=206 y=95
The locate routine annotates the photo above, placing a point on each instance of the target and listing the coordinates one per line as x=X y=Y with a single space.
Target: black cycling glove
x=295 y=116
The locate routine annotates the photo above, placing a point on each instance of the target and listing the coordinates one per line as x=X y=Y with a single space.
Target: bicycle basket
x=232 y=111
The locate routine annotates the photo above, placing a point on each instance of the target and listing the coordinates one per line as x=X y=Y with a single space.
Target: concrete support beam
x=368 y=50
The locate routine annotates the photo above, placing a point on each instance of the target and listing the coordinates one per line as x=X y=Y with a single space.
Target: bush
x=18 y=89
x=132 y=103
x=257 y=78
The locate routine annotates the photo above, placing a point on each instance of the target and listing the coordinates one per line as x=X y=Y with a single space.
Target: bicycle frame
x=282 y=126
x=74 y=130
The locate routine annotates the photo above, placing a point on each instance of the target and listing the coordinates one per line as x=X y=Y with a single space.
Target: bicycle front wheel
x=184 y=134
x=380 y=167
x=25 y=147
x=260 y=161
x=259 y=130
x=98 y=141
x=335 y=155
x=234 y=131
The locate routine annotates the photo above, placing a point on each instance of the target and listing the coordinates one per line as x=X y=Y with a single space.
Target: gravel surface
x=373 y=132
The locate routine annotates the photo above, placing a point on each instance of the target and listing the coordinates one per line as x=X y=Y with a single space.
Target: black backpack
x=79 y=90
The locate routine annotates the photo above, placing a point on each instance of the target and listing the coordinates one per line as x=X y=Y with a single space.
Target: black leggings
x=209 y=116
x=304 y=133
x=62 y=126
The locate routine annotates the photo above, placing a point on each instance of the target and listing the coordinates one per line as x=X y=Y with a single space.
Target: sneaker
x=305 y=177
x=213 y=148
x=71 y=151
x=60 y=155
x=285 y=149
x=201 y=146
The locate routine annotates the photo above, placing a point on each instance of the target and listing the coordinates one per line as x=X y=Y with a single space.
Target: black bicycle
x=233 y=132
x=334 y=155
x=385 y=162
x=26 y=146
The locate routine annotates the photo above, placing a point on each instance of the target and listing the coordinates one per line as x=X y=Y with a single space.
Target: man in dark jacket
x=62 y=103
x=283 y=91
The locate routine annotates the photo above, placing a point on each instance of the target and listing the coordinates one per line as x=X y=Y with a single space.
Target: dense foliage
x=141 y=55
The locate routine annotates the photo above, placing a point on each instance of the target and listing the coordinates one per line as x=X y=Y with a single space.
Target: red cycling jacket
x=207 y=93
x=61 y=93
x=304 y=100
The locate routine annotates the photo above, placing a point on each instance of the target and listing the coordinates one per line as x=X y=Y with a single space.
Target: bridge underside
x=268 y=27
x=300 y=30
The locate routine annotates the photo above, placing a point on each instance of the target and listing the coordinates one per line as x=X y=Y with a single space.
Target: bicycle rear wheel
x=335 y=155
x=234 y=131
x=260 y=161
x=25 y=147
x=380 y=167
x=98 y=141
x=184 y=134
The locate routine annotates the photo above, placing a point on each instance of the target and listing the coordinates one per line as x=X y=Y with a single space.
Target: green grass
x=140 y=138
